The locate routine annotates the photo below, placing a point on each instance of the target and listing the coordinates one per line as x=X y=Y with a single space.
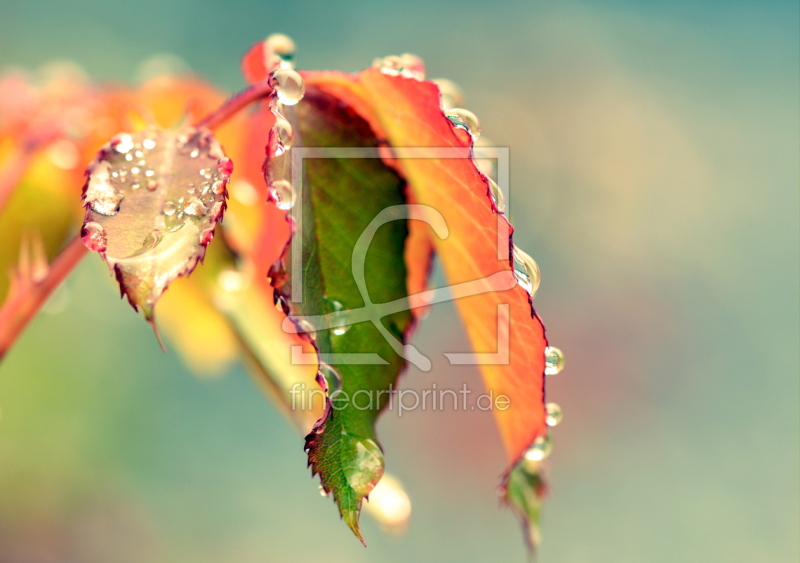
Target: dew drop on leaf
x=526 y=270
x=195 y=207
x=553 y=360
x=94 y=236
x=282 y=194
x=288 y=86
x=498 y=199
x=123 y=144
x=101 y=196
x=554 y=414
x=225 y=166
x=332 y=378
x=540 y=449
x=465 y=119
x=367 y=467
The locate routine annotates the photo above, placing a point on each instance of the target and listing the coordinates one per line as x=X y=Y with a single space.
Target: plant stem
x=235 y=104
x=20 y=306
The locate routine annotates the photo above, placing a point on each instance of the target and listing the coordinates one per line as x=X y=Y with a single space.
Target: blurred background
x=654 y=177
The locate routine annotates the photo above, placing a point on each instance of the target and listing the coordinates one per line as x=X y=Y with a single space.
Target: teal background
x=654 y=177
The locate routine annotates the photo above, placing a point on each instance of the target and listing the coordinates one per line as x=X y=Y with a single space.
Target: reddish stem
x=236 y=104
x=20 y=307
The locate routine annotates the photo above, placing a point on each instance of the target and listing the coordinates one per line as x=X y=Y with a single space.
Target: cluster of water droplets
x=288 y=89
x=406 y=65
x=526 y=270
x=187 y=173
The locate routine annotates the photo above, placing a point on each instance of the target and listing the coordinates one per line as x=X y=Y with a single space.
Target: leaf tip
x=350 y=518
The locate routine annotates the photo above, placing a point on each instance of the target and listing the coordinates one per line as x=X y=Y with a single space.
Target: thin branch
x=20 y=306
x=236 y=104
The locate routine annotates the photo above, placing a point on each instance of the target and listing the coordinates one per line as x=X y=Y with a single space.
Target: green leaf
x=339 y=199
x=152 y=202
x=524 y=490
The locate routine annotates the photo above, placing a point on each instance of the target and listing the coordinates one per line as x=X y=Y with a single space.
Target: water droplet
x=123 y=144
x=554 y=414
x=333 y=379
x=322 y=491
x=451 y=94
x=194 y=207
x=498 y=199
x=207 y=235
x=149 y=144
x=135 y=170
x=288 y=85
x=281 y=304
x=338 y=317
x=411 y=66
x=391 y=65
x=366 y=469
x=151 y=185
x=283 y=130
x=216 y=210
x=553 y=360
x=149 y=173
x=540 y=449
x=94 y=237
x=283 y=47
x=138 y=154
x=526 y=270
x=282 y=194
x=466 y=120
x=305 y=328
x=218 y=187
x=225 y=166
x=129 y=157
x=100 y=194
x=169 y=208
x=194 y=153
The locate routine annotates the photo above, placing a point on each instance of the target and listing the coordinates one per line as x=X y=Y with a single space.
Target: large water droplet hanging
x=526 y=270
x=322 y=491
x=367 y=467
x=94 y=237
x=288 y=86
x=553 y=360
x=540 y=449
x=553 y=414
x=333 y=379
x=281 y=194
x=465 y=119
